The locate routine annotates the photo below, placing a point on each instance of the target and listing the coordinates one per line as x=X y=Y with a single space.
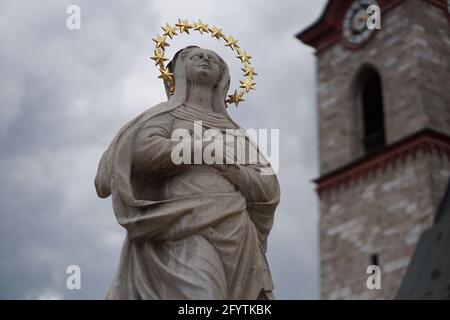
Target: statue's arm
x=102 y=179
x=153 y=146
x=256 y=187
x=262 y=193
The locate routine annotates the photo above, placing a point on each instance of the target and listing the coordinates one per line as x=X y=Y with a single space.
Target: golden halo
x=181 y=26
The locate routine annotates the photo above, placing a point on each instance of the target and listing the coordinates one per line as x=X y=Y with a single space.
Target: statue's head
x=195 y=65
x=202 y=66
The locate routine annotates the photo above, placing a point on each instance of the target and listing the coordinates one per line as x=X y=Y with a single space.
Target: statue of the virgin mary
x=194 y=231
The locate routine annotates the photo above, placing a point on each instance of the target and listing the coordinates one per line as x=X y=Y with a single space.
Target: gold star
x=245 y=58
x=200 y=26
x=235 y=98
x=231 y=42
x=183 y=26
x=169 y=31
x=249 y=71
x=161 y=42
x=159 y=57
x=166 y=75
x=216 y=32
x=248 y=84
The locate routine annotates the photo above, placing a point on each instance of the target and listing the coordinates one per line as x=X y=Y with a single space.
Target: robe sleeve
x=102 y=180
x=262 y=188
x=255 y=186
x=262 y=193
x=153 y=146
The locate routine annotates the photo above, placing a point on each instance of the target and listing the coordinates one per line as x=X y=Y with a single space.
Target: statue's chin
x=203 y=76
x=203 y=82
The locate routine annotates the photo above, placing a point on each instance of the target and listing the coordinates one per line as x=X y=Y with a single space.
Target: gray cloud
x=65 y=93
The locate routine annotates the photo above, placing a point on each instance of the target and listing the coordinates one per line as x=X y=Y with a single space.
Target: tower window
x=374 y=259
x=372 y=111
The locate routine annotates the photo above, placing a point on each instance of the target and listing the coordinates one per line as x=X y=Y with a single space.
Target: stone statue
x=194 y=231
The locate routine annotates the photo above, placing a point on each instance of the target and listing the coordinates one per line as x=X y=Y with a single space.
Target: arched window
x=371 y=96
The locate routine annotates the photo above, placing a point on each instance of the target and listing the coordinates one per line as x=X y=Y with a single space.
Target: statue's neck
x=200 y=95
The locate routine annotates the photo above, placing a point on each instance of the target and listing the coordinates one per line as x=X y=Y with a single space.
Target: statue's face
x=202 y=66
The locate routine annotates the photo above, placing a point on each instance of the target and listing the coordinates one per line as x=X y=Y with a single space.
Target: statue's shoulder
x=151 y=114
x=159 y=114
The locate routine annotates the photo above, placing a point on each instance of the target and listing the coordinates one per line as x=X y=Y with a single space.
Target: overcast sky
x=65 y=93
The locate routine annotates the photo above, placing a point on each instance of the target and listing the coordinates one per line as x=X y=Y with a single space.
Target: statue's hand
x=198 y=147
x=251 y=183
x=232 y=172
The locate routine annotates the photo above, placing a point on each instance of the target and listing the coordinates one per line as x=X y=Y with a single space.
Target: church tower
x=384 y=137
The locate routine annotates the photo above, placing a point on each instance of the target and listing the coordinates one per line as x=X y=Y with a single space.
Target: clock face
x=355 y=22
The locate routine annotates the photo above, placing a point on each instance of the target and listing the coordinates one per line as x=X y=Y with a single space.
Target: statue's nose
x=205 y=57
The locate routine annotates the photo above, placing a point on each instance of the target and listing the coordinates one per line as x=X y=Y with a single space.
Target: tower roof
x=428 y=275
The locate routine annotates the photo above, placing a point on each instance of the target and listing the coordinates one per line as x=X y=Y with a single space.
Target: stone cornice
x=427 y=140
